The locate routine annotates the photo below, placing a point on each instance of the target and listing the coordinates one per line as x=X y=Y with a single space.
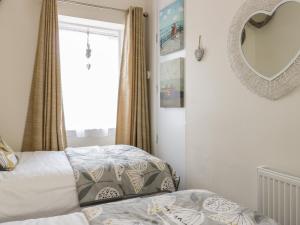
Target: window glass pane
x=90 y=96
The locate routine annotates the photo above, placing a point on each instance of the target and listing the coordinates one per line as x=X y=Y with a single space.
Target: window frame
x=114 y=30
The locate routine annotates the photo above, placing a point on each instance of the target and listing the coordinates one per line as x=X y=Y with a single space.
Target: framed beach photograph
x=172 y=84
x=172 y=28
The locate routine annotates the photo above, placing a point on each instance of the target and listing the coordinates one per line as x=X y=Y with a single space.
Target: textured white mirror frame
x=272 y=89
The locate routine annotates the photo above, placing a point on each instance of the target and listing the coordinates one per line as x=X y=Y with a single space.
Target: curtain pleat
x=45 y=127
x=133 y=119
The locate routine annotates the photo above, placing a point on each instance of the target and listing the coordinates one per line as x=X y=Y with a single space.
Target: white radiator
x=279 y=196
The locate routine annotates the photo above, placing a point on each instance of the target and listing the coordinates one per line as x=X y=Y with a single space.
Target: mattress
x=42 y=185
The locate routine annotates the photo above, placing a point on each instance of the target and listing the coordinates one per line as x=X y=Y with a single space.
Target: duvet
x=117 y=172
x=194 y=207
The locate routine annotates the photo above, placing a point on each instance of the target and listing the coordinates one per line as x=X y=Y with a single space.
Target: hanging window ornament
x=88 y=53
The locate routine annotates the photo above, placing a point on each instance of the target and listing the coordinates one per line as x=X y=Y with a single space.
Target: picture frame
x=172 y=28
x=172 y=84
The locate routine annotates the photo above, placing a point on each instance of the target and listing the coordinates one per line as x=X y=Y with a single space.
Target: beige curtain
x=45 y=129
x=133 y=126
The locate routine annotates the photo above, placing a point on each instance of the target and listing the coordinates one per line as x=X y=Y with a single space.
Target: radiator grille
x=279 y=196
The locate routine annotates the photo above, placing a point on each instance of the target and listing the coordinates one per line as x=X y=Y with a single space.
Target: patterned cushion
x=8 y=159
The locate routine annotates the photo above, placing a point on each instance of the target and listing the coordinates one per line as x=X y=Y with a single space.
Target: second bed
x=194 y=207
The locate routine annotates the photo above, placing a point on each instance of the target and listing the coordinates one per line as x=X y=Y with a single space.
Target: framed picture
x=172 y=84
x=172 y=27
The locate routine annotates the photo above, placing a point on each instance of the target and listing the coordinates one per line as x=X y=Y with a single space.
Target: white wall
x=230 y=130
x=19 y=22
x=167 y=124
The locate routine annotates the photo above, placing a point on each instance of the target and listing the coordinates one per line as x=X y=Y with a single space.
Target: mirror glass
x=270 y=43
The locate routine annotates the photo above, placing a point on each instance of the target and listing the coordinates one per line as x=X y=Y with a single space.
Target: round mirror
x=270 y=42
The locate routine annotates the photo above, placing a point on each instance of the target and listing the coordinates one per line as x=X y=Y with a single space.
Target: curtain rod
x=95 y=6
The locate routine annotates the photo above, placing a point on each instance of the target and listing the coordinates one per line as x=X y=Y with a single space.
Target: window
x=90 y=84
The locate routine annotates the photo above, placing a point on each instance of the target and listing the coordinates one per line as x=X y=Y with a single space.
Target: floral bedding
x=193 y=207
x=109 y=173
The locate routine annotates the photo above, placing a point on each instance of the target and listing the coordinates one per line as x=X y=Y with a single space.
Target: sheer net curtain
x=90 y=96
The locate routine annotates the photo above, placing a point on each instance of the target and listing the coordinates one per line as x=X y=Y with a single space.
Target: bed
x=193 y=207
x=46 y=184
